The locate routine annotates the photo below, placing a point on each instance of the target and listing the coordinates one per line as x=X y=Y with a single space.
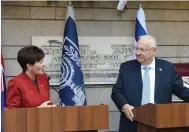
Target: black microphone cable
x=51 y=87
x=186 y=82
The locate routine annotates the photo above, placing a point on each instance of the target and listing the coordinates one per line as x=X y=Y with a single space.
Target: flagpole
x=140 y=6
x=70 y=3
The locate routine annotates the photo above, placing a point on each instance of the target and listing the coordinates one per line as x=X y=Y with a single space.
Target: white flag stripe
x=141 y=18
x=70 y=12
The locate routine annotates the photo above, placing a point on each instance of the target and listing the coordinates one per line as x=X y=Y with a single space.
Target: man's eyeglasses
x=140 y=49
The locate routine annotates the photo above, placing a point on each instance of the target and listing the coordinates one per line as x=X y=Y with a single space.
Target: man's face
x=144 y=53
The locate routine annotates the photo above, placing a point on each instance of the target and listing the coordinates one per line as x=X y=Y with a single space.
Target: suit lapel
x=158 y=71
x=39 y=83
x=138 y=76
x=30 y=82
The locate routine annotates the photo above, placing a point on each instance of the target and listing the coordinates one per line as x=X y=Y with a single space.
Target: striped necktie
x=146 y=87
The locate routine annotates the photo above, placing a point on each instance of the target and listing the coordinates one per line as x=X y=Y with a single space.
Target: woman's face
x=37 y=67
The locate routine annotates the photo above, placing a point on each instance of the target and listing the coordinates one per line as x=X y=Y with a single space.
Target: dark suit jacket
x=23 y=93
x=128 y=88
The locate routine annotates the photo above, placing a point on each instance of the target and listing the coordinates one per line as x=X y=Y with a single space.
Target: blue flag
x=3 y=90
x=71 y=91
x=140 y=26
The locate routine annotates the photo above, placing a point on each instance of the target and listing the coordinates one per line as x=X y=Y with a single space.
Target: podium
x=162 y=117
x=56 y=119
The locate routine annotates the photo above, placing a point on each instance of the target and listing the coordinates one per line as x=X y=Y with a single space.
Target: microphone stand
x=50 y=86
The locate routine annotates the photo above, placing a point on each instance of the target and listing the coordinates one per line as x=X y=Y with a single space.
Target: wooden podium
x=57 y=119
x=162 y=117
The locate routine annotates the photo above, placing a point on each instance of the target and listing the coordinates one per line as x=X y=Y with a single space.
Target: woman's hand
x=46 y=104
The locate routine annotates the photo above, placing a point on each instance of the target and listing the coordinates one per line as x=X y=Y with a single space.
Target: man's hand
x=128 y=111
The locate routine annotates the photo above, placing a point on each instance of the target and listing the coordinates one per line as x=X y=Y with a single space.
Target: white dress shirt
x=152 y=79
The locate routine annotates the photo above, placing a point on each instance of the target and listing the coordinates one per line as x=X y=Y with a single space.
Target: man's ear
x=154 y=51
x=29 y=66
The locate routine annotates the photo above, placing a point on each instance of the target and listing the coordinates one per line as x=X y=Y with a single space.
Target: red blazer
x=23 y=93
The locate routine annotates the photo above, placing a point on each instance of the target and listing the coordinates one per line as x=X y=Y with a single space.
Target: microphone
x=49 y=77
x=51 y=87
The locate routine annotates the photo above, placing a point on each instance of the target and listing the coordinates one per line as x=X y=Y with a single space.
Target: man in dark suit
x=145 y=80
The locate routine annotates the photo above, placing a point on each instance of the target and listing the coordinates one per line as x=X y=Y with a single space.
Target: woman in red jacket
x=31 y=87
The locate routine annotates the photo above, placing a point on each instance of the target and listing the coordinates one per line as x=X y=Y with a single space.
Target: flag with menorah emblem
x=72 y=92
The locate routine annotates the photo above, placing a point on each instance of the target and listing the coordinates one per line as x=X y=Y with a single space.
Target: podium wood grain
x=162 y=117
x=58 y=119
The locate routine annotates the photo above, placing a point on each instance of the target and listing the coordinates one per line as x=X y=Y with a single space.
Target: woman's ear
x=29 y=66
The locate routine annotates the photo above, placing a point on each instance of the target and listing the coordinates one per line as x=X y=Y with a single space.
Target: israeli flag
x=71 y=91
x=140 y=27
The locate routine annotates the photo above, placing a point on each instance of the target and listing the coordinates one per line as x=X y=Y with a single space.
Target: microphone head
x=49 y=77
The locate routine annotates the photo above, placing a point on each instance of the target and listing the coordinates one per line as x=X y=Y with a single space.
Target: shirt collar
x=152 y=65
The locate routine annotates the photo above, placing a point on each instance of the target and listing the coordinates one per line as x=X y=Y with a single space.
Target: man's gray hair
x=153 y=42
